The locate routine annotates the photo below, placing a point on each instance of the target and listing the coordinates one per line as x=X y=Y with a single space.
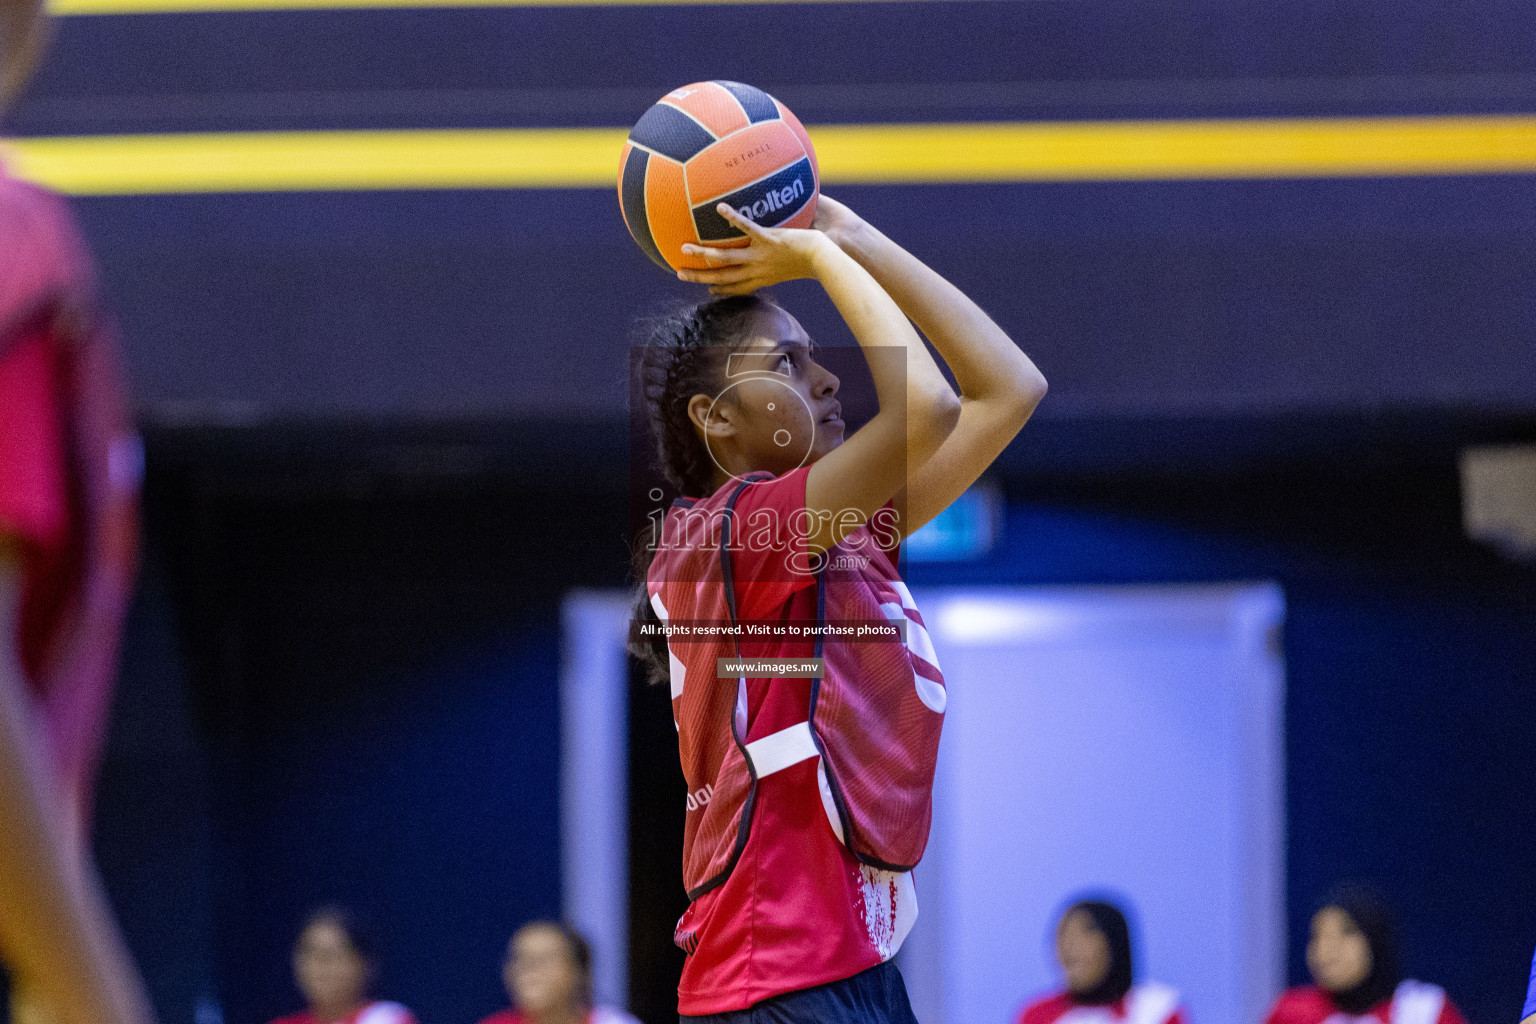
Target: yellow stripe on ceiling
x=849 y=154
x=314 y=161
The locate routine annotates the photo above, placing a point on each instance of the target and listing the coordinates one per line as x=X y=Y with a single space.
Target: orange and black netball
x=708 y=143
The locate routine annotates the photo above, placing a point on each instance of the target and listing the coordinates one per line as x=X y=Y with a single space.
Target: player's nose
x=827 y=386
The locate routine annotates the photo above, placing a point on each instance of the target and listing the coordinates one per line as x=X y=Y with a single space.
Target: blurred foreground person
x=69 y=468
x=333 y=964
x=1093 y=944
x=548 y=975
x=1353 y=959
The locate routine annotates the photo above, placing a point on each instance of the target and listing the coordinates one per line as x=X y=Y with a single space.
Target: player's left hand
x=836 y=220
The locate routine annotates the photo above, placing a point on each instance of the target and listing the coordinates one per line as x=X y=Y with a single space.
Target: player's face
x=1338 y=955
x=329 y=971
x=1083 y=951
x=783 y=403
x=541 y=975
x=22 y=32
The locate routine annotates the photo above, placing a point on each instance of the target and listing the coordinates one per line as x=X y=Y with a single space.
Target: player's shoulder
x=1154 y=1001
x=1420 y=1001
x=29 y=211
x=764 y=488
x=743 y=493
x=14 y=190
x=1045 y=1009
x=43 y=249
x=610 y=1015
x=507 y=1016
x=302 y=1017
x=1301 y=1004
x=386 y=1012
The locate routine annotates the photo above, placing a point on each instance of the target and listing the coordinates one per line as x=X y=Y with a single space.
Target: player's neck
x=559 y=1015
x=333 y=1014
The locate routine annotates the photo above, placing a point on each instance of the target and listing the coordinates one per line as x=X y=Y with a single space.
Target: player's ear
x=714 y=418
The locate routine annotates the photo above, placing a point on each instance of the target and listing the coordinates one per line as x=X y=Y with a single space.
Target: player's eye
x=786 y=363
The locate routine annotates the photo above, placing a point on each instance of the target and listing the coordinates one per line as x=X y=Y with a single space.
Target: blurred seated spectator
x=333 y=963
x=548 y=975
x=1093 y=944
x=1352 y=955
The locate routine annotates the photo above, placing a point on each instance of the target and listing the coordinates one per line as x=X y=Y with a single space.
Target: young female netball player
x=809 y=798
x=68 y=485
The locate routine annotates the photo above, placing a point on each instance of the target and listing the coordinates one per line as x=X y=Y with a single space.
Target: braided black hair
x=684 y=355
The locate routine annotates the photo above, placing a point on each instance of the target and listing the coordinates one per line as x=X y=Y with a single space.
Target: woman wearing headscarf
x=548 y=975
x=1093 y=944
x=333 y=965
x=1352 y=955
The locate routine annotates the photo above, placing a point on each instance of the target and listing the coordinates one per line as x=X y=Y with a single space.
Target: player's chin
x=826 y=440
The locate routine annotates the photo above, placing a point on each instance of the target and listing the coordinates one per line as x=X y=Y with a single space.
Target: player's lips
x=835 y=415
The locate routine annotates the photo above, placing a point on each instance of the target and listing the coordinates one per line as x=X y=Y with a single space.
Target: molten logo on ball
x=769 y=202
x=773 y=202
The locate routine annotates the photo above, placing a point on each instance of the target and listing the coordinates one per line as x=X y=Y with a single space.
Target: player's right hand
x=771 y=255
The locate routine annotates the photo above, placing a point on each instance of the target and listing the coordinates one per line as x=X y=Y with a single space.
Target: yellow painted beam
x=849 y=154
x=319 y=161
x=1179 y=149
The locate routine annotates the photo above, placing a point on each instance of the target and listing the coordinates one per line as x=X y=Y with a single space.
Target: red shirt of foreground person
x=69 y=472
x=69 y=475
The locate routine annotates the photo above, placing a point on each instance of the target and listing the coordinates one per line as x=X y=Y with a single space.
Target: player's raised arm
x=918 y=408
x=999 y=385
x=67 y=960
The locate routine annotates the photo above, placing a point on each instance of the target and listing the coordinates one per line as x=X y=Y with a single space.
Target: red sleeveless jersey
x=820 y=789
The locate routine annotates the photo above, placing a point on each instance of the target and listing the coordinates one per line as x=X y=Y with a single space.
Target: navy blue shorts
x=875 y=996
